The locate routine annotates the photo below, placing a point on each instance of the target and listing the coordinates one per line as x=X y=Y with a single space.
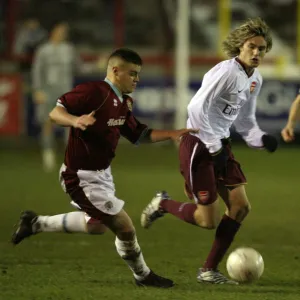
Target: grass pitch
x=81 y=267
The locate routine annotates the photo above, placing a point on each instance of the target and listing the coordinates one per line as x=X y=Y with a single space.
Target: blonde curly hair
x=253 y=27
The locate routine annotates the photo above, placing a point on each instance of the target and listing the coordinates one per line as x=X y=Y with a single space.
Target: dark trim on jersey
x=145 y=136
x=109 y=91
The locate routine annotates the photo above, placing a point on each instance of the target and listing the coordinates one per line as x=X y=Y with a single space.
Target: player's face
x=253 y=51
x=127 y=77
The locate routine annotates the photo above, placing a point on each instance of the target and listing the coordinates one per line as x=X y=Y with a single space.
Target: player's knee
x=207 y=214
x=126 y=232
x=96 y=228
x=207 y=224
x=205 y=220
x=245 y=209
x=240 y=211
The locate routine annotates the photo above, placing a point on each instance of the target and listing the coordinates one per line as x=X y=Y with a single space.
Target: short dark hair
x=127 y=55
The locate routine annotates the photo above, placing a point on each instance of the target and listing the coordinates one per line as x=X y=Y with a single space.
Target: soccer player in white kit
x=227 y=97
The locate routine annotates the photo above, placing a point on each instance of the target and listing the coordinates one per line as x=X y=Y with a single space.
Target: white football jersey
x=227 y=96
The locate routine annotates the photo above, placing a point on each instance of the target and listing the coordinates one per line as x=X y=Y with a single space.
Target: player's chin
x=255 y=63
x=131 y=90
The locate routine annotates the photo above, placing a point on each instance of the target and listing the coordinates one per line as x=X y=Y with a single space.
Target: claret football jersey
x=94 y=148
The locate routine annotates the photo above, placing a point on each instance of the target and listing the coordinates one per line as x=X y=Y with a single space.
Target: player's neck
x=115 y=84
x=249 y=70
x=55 y=41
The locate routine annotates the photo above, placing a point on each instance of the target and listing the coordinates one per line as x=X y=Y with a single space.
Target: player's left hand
x=85 y=121
x=270 y=142
x=177 y=134
x=287 y=134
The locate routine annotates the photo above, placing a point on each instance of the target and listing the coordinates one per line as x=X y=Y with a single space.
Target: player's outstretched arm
x=60 y=116
x=287 y=132
x=175 y=135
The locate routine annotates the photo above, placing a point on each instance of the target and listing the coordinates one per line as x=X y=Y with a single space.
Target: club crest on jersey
x=129 y=104
x=115 y=102
x=252 y=87
x=116 y=122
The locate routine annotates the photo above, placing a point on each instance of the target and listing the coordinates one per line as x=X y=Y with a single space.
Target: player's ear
x=242 y=47
x=115 y=70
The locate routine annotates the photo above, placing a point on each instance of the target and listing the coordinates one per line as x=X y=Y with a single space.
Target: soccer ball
x=245 y=264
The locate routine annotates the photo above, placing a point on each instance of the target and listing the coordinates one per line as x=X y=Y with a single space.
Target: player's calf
x=238 y=206
x=95 y=226
x=207 y=216
x=130 y=252
x=239 y=212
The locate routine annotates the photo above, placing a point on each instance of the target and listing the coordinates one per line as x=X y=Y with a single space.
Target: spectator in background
x=53 y=70
x=28 y=38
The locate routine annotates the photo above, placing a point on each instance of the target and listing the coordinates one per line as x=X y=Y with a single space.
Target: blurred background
x=178 y=40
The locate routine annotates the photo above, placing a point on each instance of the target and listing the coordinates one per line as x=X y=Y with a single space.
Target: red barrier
x=10 y=105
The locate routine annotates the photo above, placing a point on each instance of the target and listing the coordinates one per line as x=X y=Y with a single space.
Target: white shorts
x=91 y=190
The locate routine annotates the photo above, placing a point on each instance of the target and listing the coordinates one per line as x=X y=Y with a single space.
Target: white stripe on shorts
x=191 y=176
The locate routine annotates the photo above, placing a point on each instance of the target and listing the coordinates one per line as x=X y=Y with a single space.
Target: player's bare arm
x=175 y=135
x=294 y=116
x=60 y=116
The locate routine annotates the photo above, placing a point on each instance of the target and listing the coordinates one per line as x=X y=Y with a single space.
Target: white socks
x=130 y=251
x=69 y=222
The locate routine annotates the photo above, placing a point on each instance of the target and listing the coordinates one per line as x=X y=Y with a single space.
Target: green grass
x=67 y=267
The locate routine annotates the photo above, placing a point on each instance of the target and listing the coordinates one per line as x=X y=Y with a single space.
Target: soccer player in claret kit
x=227 y=97
x=98 y=114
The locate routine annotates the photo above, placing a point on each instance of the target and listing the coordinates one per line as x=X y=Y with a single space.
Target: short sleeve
x=82 y=99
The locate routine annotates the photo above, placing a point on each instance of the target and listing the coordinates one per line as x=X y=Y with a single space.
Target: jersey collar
x=115 y=89
x=243 y=67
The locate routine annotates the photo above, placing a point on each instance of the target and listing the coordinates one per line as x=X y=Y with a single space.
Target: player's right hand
x=84 y=121
x=287 y=134
x=176 y=135
x=39 y=97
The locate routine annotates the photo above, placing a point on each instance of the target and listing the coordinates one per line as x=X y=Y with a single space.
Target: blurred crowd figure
x=29 y=36
x=54 y=65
